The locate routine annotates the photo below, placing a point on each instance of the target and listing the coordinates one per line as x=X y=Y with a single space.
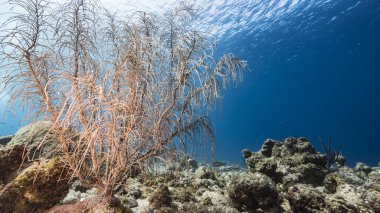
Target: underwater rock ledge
x=306 y=184
x=283 y=176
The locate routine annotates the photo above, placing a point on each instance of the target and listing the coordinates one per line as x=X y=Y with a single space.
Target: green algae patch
x=38 y=187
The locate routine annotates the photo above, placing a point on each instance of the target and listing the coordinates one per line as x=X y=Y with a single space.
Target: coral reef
x=283 y=176
x=161 y=198
x=306 y=184
x=31 y=180
x=290 y=162
x=254 y=192
x=38 y=139
x=92 y=205
x=10 y=162
x=39 y=186
x=29 y=143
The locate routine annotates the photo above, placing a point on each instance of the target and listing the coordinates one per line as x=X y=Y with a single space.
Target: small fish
x=218 y=164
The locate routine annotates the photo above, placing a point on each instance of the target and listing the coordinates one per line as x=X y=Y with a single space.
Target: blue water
x=315 y=73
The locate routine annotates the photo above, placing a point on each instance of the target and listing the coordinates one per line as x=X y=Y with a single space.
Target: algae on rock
x=161 y=197
x=289 y=162
x=11 y=159
x=40 y=186
x=39 y=139
x=253 y=192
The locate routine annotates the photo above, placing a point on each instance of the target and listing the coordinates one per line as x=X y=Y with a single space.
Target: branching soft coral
x=133 y=89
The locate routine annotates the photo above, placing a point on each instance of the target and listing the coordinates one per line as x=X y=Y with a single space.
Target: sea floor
x=283 y=176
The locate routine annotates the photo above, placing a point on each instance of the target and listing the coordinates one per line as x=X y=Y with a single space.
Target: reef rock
x=254 y=192
x=92 y=205
x=306 y=198
x=289 y=176
x=373 y=199
x=305 y=184
x=77 y=194
x=39 y=139
x=290 y=162
x=31 y=178
x=11 y=159
x=161 y=198
x=39 y=186
x=349 y=190
x=24 y=147
x=204 y=173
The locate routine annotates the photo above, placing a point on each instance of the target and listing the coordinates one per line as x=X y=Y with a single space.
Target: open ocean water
x=315 y=72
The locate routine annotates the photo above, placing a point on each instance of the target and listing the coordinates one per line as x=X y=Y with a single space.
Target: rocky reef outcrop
x=19 y=150
x=254 y=191
x=10 y=162
x=38 y=139
x=36 y=187
x=283 y=176
x=306 y=184
x=289 y=162
x=160 y=198
x=31 y=180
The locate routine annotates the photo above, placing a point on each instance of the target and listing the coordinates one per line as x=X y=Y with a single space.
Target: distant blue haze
x=316 y=76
